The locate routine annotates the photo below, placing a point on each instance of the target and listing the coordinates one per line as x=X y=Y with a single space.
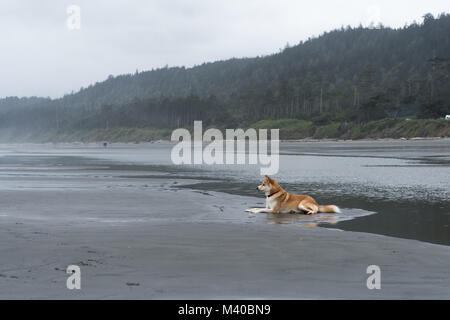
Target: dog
x=279 y=200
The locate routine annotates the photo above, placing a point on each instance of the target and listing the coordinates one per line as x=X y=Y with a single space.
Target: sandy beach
x=151 y=238
x=123 y=256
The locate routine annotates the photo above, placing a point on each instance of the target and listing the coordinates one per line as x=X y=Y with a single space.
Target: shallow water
x=399 y=188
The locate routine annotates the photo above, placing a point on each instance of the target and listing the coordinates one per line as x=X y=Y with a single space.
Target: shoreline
x=306 y=140
x=289 y=130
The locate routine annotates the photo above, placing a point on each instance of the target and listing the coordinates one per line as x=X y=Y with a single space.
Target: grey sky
x=41 y=56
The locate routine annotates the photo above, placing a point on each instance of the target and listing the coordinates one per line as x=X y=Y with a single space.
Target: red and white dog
x=280 y=201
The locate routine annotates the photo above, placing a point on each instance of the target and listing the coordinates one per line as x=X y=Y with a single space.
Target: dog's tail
x=329 y=209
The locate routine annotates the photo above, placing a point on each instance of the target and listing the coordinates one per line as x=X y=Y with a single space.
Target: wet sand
x=202 y=252
x=143 y=234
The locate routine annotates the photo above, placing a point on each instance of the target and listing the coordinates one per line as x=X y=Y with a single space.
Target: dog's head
x=269 y=185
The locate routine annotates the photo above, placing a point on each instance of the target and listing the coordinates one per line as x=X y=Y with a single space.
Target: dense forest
x=350 y=75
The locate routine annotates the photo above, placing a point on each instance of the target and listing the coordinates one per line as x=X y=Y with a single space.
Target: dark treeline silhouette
x=351 y=74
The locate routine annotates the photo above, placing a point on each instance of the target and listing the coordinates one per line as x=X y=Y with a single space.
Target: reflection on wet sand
x=303 y=219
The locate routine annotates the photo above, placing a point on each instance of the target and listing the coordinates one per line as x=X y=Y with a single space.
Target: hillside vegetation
x=348 y=83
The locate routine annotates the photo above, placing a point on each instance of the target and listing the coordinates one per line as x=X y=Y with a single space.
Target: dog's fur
x=280 y=201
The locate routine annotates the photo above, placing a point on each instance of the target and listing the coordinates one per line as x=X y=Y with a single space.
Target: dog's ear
x=270 y=179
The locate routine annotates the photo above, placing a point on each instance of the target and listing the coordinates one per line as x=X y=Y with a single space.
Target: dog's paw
x=254 y=210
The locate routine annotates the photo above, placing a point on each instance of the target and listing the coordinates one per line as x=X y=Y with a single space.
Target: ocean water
x=394 y=188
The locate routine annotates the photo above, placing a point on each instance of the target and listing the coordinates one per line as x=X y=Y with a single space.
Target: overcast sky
x=41 y=55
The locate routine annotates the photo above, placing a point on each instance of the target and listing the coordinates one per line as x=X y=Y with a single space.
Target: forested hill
x=346 y=75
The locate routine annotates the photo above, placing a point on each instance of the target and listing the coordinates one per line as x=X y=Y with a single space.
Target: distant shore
x=290 y=130
x=163 y=141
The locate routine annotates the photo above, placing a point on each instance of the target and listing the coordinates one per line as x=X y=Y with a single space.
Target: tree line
x=348 y=75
